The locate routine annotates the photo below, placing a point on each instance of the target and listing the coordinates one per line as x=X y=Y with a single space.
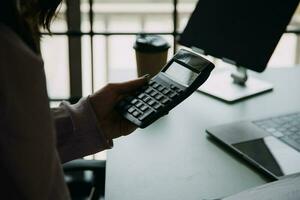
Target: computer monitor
x=243 y=33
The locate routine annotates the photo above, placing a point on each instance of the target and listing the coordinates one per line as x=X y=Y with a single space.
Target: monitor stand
x=231 y=87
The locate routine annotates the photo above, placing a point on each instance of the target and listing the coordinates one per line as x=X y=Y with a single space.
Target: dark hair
x=26 y=17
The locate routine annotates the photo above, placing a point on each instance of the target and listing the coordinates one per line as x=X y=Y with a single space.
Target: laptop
x=271 y=144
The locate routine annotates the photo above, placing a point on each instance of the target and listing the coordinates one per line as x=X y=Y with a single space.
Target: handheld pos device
x=181 y=76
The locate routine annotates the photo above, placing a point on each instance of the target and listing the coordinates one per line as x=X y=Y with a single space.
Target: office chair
x=85 y=179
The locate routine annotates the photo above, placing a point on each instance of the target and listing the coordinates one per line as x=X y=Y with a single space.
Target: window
x=92 y=41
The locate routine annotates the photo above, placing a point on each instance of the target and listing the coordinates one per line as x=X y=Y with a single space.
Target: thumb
x=130 y=86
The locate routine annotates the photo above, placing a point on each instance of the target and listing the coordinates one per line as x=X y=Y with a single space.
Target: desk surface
x=175 y=159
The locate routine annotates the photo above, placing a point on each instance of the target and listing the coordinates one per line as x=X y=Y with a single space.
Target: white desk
x=173 y=159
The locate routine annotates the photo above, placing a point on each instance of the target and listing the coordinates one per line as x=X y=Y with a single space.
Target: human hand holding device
x=104 y=101
x=182 y=75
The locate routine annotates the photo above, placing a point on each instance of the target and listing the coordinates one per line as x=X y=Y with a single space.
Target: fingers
x=127 y=127
x=130 y=86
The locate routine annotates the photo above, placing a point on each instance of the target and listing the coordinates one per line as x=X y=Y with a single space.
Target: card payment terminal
x=181 y=76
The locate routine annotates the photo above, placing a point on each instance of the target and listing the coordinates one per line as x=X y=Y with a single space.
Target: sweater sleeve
x=30 y=167
x=78 y=131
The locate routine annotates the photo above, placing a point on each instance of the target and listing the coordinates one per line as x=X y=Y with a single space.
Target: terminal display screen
x=181 y=74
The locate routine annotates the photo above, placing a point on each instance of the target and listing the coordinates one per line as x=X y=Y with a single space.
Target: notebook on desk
x=286 y=189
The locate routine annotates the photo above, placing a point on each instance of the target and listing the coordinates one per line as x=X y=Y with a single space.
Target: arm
x=90 y=125
x=77 y=130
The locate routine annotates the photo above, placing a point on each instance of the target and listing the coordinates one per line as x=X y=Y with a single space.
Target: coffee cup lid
x=151 y=44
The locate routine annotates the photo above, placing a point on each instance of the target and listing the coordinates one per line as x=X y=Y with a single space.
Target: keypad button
x=179 y=90
x=136 y=113
x=172 y=94
x=138 y=104
x=151 y=82
x=146 y=114
x=149 y=90
x=277 y=134
x=157 y=106
x=176 y=89
x=131 y=109
x=151 y=102
x=291 y=142
x=165 y=91
x=164 y=101
x=144 y=108
x=153 y=93
x=160 y=88
x=155 y=85
x=288 y=133
x=141 y=96
x=159 y=97
x=173 y=87
x=146 y=99
x=134 y=101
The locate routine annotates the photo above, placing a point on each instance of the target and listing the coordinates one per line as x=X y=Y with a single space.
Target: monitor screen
x=245 y=32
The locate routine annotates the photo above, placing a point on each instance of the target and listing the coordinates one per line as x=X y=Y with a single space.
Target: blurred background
x=91 y=43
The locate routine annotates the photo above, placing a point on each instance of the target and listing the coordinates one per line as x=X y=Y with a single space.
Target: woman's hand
x=104 y=101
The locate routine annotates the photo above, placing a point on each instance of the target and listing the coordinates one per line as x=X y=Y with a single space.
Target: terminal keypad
x=150 y=99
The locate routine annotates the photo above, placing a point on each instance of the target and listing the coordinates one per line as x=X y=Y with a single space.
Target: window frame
x=74 y=34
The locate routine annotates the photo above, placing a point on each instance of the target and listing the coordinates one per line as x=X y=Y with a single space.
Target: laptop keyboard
x=285 y=127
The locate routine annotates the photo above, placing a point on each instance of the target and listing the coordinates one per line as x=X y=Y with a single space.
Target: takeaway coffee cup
x=151 y=54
